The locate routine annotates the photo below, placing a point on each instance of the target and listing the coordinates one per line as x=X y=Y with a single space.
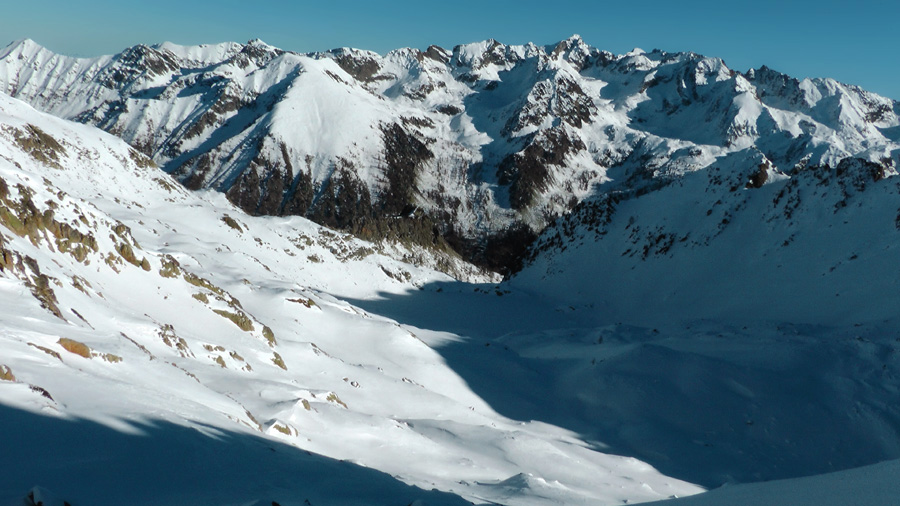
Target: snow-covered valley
x=687 y=326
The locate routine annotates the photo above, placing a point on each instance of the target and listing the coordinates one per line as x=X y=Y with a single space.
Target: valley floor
x=706 y=402
x=709 y=402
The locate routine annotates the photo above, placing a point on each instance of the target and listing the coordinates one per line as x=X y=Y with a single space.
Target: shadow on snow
x=706 y=402
x=85 y=462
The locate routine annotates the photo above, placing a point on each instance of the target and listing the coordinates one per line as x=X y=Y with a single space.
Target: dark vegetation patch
x=527 y=172
x=417 y=121
x=267 y=186
x=309 y=303
x=24 y=219
x=344 y=202
x=403 y=155
x=502 y=252
x=140 y=157
x=38 y=144
x=240 y=319
x=228 y=220
x=759 y=178
x=449 y=110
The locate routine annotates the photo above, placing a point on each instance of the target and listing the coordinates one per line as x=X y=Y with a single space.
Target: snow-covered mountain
x=480 y=146
x=817 y=245
x=160 y=346
x=714 y=305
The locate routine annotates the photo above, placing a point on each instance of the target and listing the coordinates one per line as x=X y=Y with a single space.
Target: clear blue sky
x=855 y=42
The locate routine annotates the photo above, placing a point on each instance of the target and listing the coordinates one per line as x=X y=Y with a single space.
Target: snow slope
x=814 y=246
x=710 y=401
x=876 y=484
x=159 y=346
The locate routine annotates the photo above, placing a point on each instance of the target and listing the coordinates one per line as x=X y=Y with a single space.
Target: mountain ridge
x=488 y=143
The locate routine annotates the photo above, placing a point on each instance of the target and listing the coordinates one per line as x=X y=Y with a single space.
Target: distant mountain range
x=475 y=149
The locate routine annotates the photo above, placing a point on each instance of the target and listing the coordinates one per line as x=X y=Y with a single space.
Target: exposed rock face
x=484 y=142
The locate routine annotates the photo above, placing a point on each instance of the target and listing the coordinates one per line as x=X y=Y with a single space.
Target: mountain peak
x=573 y=49
x=25 y=43
x=23 y=47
